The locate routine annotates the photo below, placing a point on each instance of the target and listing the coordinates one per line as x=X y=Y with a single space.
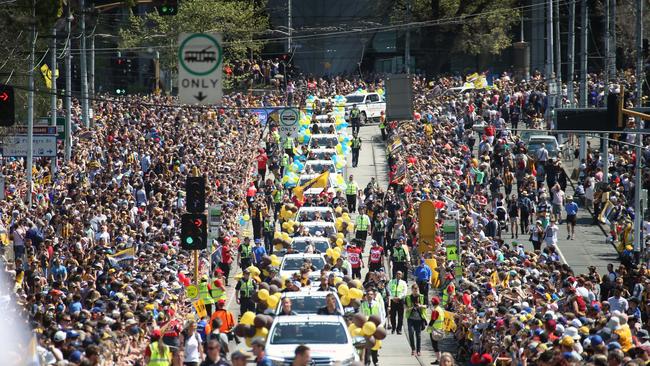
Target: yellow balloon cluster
x=346 y=293
x=289 y=226
x=354 y=330
x=334 y=253
x=344 y=223
x=288 y=212
x=275 y=261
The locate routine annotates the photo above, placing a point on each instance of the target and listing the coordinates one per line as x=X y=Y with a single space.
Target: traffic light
x=614 y=112
x=120 y=75
x=194 y=233
x=195 y=189
x=166 y=7
x=7 y=106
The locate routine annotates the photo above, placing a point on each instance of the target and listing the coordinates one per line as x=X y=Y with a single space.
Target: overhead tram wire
x=342 y=33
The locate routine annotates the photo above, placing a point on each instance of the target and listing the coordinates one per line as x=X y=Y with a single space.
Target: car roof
x=323 y=149
x=541 y=137
x=306 y=318
x=310 y=238
x=315 y=208
x=317 y=223
x=324 y=135
x=322 y=162
x=308 y=292
x=303 y=255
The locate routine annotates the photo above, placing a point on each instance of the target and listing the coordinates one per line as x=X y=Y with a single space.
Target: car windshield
x=307 y=304
x=294 y=264
x=321 y=155
x=355 y=98
x=309 y=333
x=534 y=146
x=325 y=142
x=320 y=246
x=320 y=167
x=324 y=215
x=328 y=230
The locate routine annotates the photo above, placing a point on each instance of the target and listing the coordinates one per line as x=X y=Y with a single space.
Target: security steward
x=245 y=253
x=351 y=194
x=205 y=295
x=400 y=257
x=356 y=147
x=245 y=289
x=288 y=146
x=355 y=119
x=362 y=225
x=158 y=354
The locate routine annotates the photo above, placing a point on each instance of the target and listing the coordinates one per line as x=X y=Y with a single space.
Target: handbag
x=436 y=334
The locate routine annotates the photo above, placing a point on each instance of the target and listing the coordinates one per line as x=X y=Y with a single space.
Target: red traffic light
x=198 y=222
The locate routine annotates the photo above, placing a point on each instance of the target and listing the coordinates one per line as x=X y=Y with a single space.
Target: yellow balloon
x=339 y=242
x=369 y=329
x=339 y=209
x=346 y=216
x=337 y=280
x=352 y=328
x=249 y=342
x=345 y=300
x=329 y=252
x=272 y=302
x=248 y=318
x=351 y=227
x=278 y=246
x=340 y=236
x=261 y=332
x=263 y=294
x=247 y=217
x=337 y=249
x=377 y=345
x=290 y=230
x=274 y=258
x=336 y=255
x=358 y=332
x=355 y=293
x=343 y=289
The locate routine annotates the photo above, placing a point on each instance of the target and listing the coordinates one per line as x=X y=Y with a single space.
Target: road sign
x=215 y=220
x=200 y=58
x=450 y=232
x=60 y=125
x=16 y=145
x=38 y=130
x=289 y=118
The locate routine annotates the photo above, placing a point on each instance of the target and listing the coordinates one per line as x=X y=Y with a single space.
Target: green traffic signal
x=189 y=240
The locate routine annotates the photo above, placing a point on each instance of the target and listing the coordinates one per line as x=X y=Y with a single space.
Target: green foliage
x=469 y=26
x=238 y=20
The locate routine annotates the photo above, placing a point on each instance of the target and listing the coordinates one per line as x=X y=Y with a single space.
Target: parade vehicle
x=321 y=154
x=323 y=141
x=308 y=301
x=370 y=106
x=319 y=166
x=318 y=228
x=301 y=243
x=325 y=128
x=292 y=263
x=326 y=336
x=306 y=214
x=550 y=143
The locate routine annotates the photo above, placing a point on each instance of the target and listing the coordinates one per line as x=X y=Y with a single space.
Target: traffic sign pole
x=53 y=70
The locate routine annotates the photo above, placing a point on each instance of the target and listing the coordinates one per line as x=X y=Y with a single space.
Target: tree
x=238 y=20
x=456 y=26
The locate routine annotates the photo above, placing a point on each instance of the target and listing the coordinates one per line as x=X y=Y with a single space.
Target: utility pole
x=584 y=22
x=605 y=137
x=550 y=74
x=571 y=50
x=156 y=62
x=53 y=70
x=289 y=24
x=30 y=110
x=91 y=74
x=612 y=40
x=558 y=47
x=68 y=89
x=407 y=40
x=638 y=210
x=84 y=69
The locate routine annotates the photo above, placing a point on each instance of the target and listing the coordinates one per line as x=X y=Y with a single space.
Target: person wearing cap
x=158 y=353
x=571 y=209
x=244 y=291
x=258 y=252
x=400 y=257
x=240 y=358
x=214 y=356
x=259 y=350
x=422 y=274
x=351 y=190
x=245 y=253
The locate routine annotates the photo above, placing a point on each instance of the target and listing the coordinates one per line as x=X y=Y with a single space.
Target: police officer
x=400 y=257
x=269 y=229
x=288 y=146
x=362 y=225
x=382 y=125
x=355 y=119
x=351 y=194
x=277 y=195
x=245 y=288
x=245 y=253
x=284 y=164
x=356 y=147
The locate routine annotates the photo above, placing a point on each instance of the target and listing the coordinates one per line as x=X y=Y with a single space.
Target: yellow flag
x=321 y=181
x=449 y=324
x=494 y=279
x=47 y=75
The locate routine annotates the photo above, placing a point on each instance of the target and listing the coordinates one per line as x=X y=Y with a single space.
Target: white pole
x=584 y=21
x=638 y=217
x=84 y=69
x=30 y=112
x=53 y=69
